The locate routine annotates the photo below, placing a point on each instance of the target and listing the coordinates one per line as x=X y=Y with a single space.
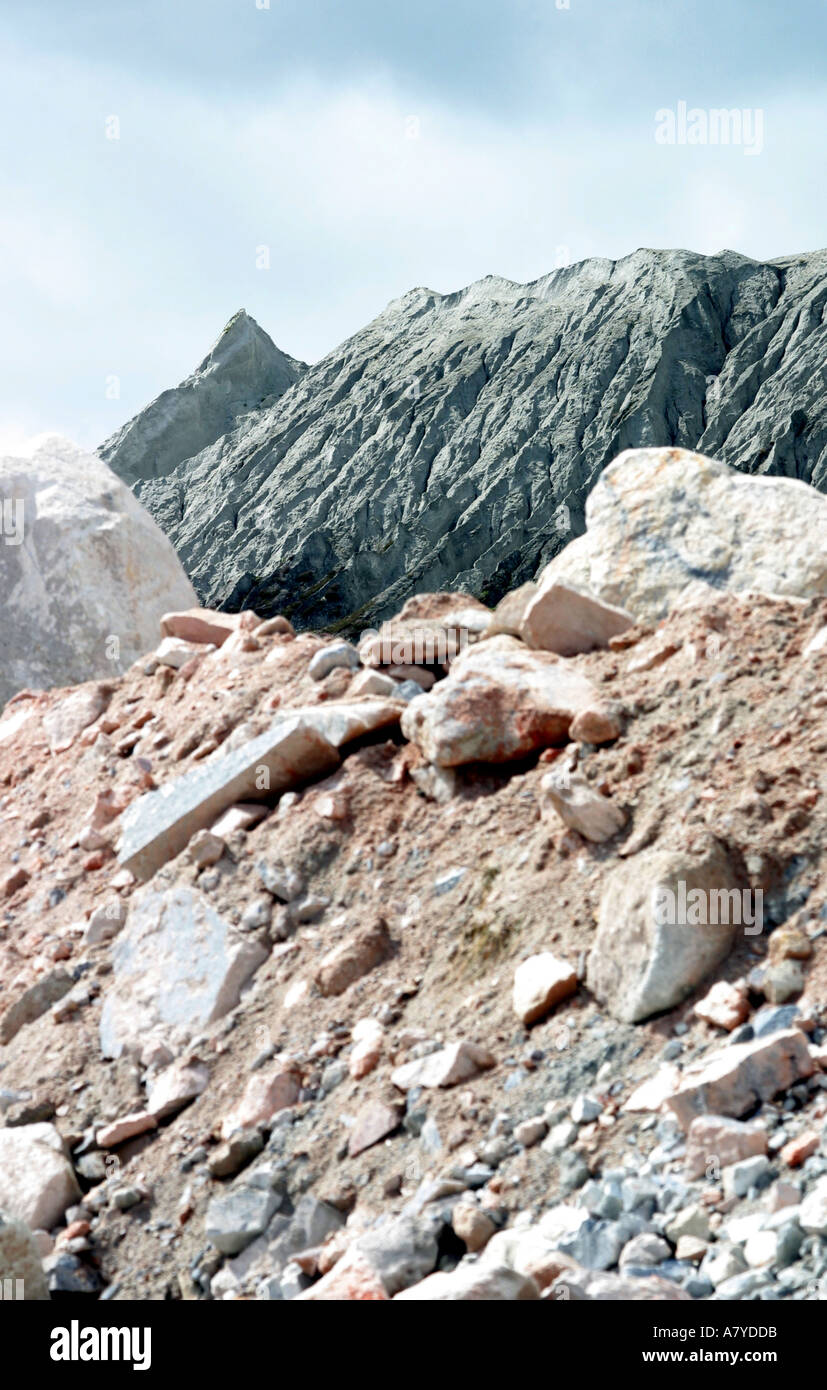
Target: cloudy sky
x=166 y=162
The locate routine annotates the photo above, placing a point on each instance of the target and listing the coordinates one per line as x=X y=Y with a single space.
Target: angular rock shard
x=569 y=796
x=539 y=983
x=561 y=618
x=733 y=1081
x=666 y=919
x=454 y=1063
x=177 y=966
x=299 y=746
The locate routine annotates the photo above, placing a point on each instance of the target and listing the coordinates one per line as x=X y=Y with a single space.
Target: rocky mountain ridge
x=452 y=442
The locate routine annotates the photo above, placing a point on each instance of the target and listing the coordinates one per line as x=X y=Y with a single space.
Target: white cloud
x=126 y=257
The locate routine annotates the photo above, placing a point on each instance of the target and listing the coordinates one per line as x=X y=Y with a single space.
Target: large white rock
x=647 y=957
x=177 y=967
x=37 y=1183
x=500 y=701
x=661 y=519
x=85 y=573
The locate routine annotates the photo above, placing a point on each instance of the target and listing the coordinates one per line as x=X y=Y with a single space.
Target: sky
x=167 y=162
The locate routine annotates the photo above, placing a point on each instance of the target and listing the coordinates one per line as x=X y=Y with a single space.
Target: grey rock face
x=452 y=442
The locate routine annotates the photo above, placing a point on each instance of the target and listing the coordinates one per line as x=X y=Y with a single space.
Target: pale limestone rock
x=37 y=1183
x=641 y=964
x=177 y=966
x=454 y=1063
x=567 y=795
x=91 y=573
x=539 y=983
x=175 y=1087
x=658 y=519
x=299 y=746
x=174 y=652
x=561 y=618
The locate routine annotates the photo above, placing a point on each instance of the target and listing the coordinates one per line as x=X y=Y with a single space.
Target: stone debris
x=265 y=1094
x=34 y=1002
x=329 y=658
x=206 y=626
x=730 y=1082
x=499 y=702
x=175 y=1086
x=69 y=717
x=298 y=748
x=128 y=1127
x=448 y=1067
x=360 y=951
x=724 y=1005
x=714 y=1142
x=477 y=971
x=374 y=1123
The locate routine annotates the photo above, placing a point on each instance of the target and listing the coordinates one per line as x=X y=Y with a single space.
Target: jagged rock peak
x=243 y=371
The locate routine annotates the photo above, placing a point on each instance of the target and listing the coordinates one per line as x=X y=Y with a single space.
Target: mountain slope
x=451 y=443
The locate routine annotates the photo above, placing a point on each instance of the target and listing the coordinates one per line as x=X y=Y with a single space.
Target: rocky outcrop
x=85 y=573
x=453 y=441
